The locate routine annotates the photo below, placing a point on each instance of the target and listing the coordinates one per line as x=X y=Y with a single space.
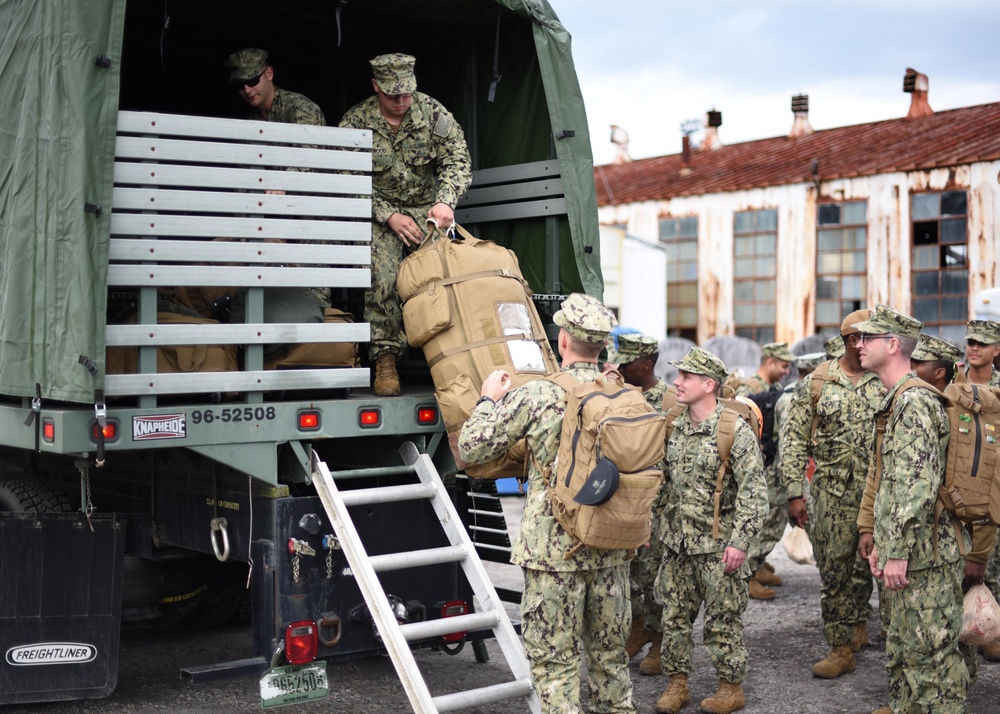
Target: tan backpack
x=606 y=421
x=732 y=411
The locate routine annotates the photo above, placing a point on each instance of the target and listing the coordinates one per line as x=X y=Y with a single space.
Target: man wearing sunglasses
x=253 y=79
x=420 y=168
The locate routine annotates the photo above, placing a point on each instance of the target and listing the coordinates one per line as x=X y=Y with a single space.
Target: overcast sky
x=648 y=65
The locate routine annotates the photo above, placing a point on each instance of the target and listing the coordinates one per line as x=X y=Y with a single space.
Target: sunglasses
x=252 y=82
x=870 y=338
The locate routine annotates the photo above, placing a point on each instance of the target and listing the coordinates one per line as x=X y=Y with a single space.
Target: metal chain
x=329 y=564
x=295 y=567
x=89 y=509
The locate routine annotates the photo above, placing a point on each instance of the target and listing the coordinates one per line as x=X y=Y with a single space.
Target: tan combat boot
x=860 y=638
x=883 y=710
x=766 y=576
x=386 y=378
x=729 y=698
x=675 y=696
x=759 y=592
x=839 y=661
x=638 y=638
x=991 y=652
x=651 y=663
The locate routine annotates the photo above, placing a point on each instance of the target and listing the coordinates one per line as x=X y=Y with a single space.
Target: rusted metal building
x=780 y=238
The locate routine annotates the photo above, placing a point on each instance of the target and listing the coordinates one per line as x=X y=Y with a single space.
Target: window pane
x=828 y=312
x=854 y=212
x=688 y=227
x=854 y=262
x=925 y=257
x=925 y=205
x=829 y=263
x=671 y=272
x=829 y=214
x=953 y=203
x=829 y=239
x=745 y=332
x=765 y=290
x=743 y=246
x=687 y=293
x=765 y=334
x=767 y=220
x=954 y=255
x=954 y=309
x=765 y=313
x=766 y=243
x=687 y=250
x=955 y=282
x=743 y=222
x=926 y=310
x=953 y=333
x=925 y=283
x=668 y=228
x=743 y=314
x=953 y=231
x=765 y=266
x=827 y=288
x=852 y=287
x=857 y=238
x=925 y=233
x=672 y=318
x=743 y=291
x=687 y=271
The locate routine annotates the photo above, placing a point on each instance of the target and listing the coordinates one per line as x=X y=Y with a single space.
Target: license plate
x=293 y=684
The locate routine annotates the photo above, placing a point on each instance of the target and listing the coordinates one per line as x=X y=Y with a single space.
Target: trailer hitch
x=220 y=526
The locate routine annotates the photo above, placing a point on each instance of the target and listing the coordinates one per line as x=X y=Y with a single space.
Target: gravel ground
x=783 y=636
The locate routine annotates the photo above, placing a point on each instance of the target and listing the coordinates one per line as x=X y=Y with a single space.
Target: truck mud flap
x=60 y=606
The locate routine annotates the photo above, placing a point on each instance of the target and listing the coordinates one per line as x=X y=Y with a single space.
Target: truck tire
x=28 y=496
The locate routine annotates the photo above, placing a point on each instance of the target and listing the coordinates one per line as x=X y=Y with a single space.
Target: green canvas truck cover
x=60 y=75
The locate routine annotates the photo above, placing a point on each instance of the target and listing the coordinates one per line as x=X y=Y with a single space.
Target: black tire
x=27 y=496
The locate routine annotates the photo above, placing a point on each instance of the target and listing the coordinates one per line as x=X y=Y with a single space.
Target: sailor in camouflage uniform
x=916 y=554
x=253 y=79
x=420 y=169
x=703 y=563
x=636 y=356
x=775 y=363
x=575 y=598
x=834 y=430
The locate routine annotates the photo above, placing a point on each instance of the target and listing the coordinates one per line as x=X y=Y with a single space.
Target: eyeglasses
x=868 y=338
x=252 y=82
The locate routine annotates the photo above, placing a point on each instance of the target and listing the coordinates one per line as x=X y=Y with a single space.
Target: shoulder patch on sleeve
x=443 y=125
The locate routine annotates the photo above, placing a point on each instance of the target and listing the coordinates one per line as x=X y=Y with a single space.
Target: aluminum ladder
x=395 y=636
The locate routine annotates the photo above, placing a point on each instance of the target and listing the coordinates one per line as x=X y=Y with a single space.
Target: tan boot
x=386 y=378
x=729 y=698
x=839 y=661
x=651 y=663
x=759 y=592
x=638 y=638
x=675 y=696
x=883 y=710
x=991 y=652
x=767 y=566
x=767 y=577
x=860 y=638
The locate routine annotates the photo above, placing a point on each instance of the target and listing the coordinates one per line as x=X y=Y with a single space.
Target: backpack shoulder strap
x=725 y=436
x=820 y=376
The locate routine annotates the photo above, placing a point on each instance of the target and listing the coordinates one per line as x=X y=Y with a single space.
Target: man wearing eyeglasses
x=253 y=79
x=420 y=168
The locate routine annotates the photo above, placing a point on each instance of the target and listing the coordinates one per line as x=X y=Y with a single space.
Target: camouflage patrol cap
x=847 y=327
x=703 y=362
x=887 y=321
x=247 y=63
x=394 y=73
x=633 y=347
x=985 y=331
x=810 y=361
x=835 y=346
x=931 y=348
x=586 y=318
x=777 y=350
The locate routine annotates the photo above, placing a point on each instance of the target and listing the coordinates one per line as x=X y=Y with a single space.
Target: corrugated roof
x=947 y=138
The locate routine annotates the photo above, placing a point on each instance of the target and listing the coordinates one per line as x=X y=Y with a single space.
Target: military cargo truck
x=179 y=489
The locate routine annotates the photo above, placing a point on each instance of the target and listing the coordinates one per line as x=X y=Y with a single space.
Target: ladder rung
x=485 y=695
x=387 y=494
x=448 y=625
x=418 y=558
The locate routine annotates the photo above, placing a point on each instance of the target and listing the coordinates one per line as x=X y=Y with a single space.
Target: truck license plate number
x=294 y=684
x=234 y=415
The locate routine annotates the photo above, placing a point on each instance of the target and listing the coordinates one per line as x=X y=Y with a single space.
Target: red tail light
x=110 y=431
x=369 y=418
x=48 y=430
x=454 y=608
x=308 y=420
x=301 y=642
x=427 y=415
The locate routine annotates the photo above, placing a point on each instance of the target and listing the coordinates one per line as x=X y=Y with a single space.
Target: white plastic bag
x=981 y=622
x=797 y=545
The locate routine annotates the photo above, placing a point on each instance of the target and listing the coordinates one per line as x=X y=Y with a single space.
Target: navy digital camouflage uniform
x=691 y=571
x=927 y=672
x=841 y=448
x=574 y=597
x=426 y=161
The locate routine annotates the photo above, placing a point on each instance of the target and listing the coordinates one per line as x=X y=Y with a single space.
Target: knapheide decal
x=159 y=426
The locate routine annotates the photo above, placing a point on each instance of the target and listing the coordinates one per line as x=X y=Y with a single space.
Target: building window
x=841 y=285
x=940 y=263
x=680 y=236
x=755 y=245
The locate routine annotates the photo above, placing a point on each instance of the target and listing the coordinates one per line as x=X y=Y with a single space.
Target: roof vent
x=713 y=120
x=800 y=108
x=917 y=85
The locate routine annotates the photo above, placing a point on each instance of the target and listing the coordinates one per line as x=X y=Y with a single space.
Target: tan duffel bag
x=467 y=305
x=172 y=359
x=321 y=354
